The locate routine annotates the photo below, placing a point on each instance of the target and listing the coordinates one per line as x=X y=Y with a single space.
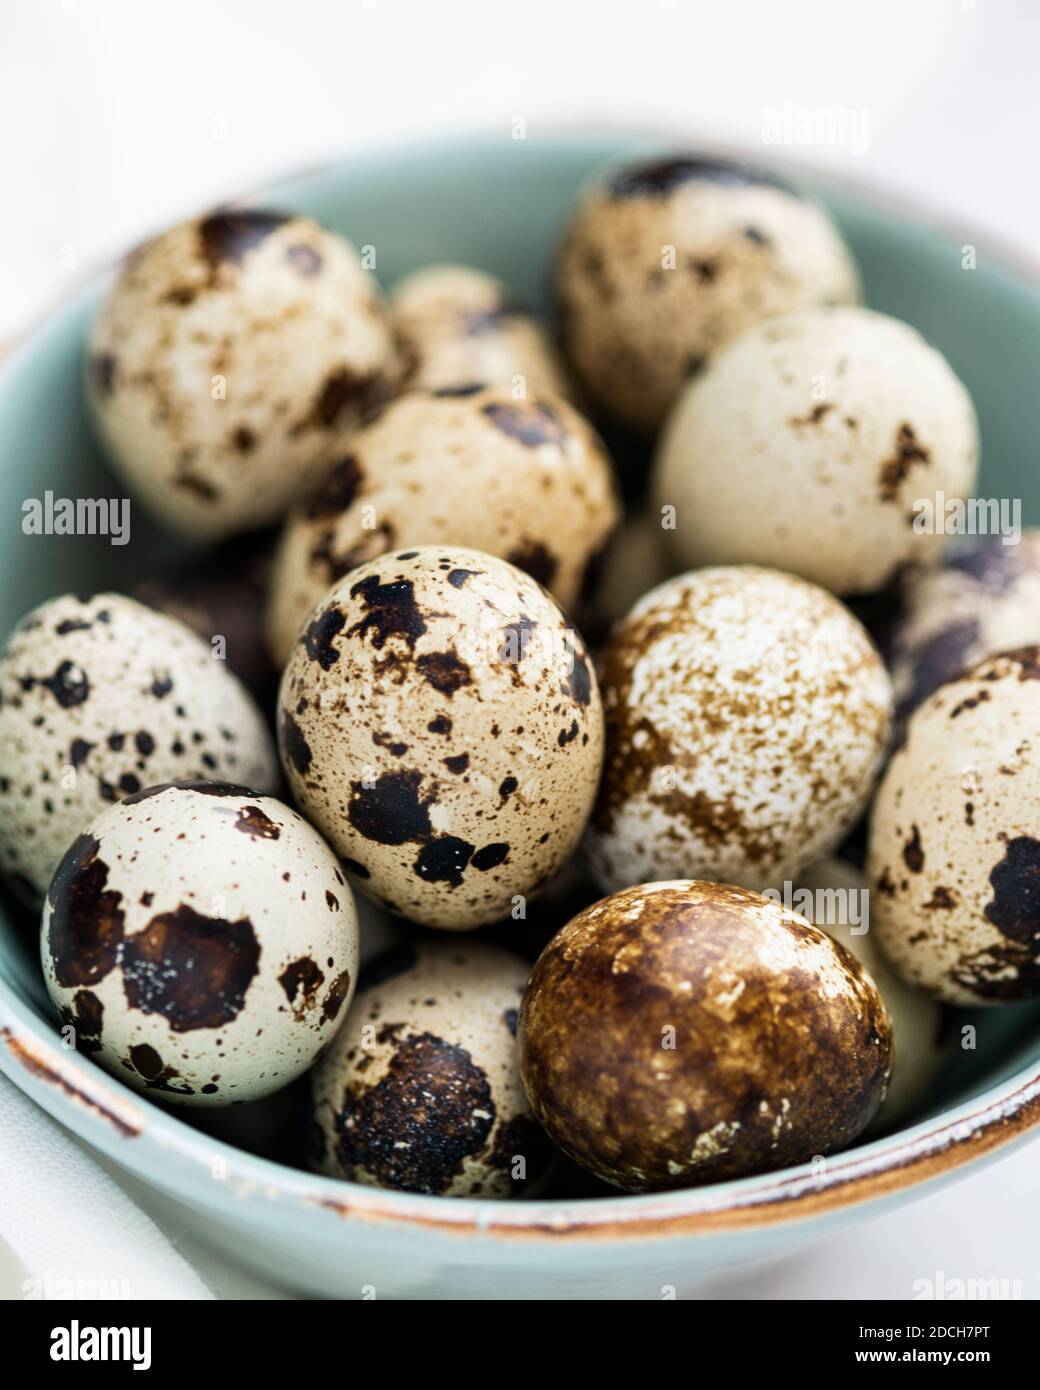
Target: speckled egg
x=955 y=838
x=666 y=260
x=686 y=1032
x=527 y=480
x=201 y=941
x=834 y=896
x=456 y=325
x=227 y=356
x=421 y=1089
x=439 y=722
x=984 y=598
x=100 y=697
x=806 y=445
x=746 y=716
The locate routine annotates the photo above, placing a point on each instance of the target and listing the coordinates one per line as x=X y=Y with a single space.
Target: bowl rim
x=92 y=1105
x=110 y=1117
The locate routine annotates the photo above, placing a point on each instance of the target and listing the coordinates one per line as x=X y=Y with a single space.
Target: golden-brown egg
x=835 y=896
x=686 y=1032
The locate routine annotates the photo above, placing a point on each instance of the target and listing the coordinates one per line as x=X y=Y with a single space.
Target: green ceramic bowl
x=498 y=203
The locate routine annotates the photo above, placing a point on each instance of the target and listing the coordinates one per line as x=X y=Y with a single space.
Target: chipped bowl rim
x=158 y=1147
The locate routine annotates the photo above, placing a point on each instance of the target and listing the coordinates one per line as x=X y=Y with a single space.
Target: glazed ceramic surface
x=498 y=204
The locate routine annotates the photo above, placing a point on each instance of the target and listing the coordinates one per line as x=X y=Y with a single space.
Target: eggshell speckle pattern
x=100 y=697
x=202 y=942
x=685 y=1032
x=746 y=715
x=665 y=261
x=955 y=838
x=834 y=896
x=526 y=480
x=440 y=723
x=807 y=443
x=984 y=598
x=421 y=1089
x=226 y=358
x=456 y=326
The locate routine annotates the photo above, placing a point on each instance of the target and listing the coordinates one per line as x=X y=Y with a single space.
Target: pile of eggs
x=601 y=904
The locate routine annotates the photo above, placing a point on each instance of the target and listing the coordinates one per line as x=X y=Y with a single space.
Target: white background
x=117 y=116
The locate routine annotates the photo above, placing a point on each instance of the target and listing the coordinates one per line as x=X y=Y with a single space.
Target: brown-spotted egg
x=440 y=723
x=456 y=325
x=665 y=260
x=809 y=443
x=746 y=714
x=421 y=1089
x=201 y=941
x=100 y=697
x=528 y=480
x=983 y=598
x=230 y=353
x=955 y=838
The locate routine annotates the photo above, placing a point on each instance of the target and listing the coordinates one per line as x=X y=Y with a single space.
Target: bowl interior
x=498 y=203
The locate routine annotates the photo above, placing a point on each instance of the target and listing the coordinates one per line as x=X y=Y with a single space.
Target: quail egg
x=456 y=325
x=954 y=853
x=746 y=715
x=685 y=1032
x=808 y=443
x=440 y=724
x=664 y=261
x=100 y=697
x=834 y=896
x=421 y=1089
x=983 y=598
x=227 y=356
x=201 y=941
x=527 y=480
